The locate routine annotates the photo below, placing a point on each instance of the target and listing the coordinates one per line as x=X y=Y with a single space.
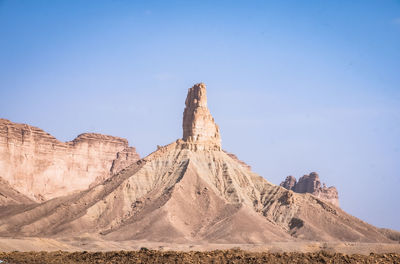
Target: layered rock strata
x=312 y=184
x=241 y=162
x=39 y=166
x=199 y=129
x=191 y=191
x=10 y=196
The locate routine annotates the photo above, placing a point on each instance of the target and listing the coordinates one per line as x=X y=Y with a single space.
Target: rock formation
x=289 y=183
x=235 y=158
x=39 y=166
x=10 y=196
x=312 y=184
x=190 y=191
x=199 y=128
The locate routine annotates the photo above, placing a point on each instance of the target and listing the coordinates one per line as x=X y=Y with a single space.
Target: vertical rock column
x=199 y=128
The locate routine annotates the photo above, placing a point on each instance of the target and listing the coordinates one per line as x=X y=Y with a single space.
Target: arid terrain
x=96 y=194
x=215 y=256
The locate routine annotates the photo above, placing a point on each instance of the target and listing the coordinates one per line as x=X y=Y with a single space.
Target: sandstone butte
x=190 y=191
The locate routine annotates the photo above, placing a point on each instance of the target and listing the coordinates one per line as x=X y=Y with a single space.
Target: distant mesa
x=311 y=184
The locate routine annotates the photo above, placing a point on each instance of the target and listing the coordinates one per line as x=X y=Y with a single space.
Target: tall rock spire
x=199 y=128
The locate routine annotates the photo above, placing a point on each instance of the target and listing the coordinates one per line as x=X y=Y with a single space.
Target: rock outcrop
x=289 y=183
x=199 y=128
x=191 y=191
x=39 y=166
x=312 y=184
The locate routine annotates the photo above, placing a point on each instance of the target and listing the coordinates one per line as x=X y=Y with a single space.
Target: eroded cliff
x=42 y=167
x=199 y=129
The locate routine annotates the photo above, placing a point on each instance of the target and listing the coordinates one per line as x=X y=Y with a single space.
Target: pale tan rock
x=10 y=196
x=179 y=195
x=234 y=157
x=124 y=158
x=199 y=128
x=41 y=167
x=191 y=191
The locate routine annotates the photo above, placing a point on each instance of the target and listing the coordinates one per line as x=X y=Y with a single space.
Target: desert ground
x=216 y=256
x=93 y=244
x=89 y=249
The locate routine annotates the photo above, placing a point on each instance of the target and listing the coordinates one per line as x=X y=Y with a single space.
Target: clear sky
x=295 y=86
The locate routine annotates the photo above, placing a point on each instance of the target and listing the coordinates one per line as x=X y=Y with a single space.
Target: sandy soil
x=90 y=243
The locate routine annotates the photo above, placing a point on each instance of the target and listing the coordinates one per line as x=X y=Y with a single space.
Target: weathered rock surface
x=289 y=182
x=199 y=128
x=178 y=195
x=392 y=234
x=10 y=196
x=183 y=193
x=39 y=166
x=312 y=184
x=234 y=157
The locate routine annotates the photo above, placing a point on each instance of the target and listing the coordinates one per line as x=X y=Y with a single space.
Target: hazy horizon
x=295 y=87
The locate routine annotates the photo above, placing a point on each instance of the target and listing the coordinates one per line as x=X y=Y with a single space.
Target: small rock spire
x=199 y=127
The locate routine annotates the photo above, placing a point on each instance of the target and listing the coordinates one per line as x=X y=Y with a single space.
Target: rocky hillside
x=312 y=184
x=191 y=191
x=40 y=167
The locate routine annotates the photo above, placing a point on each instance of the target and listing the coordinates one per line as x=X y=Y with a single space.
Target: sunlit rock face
x=39 y=166
x=189 y=191
x=10 y=196
x=199 y=128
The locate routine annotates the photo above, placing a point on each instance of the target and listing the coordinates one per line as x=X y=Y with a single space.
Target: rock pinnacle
x=199 y=128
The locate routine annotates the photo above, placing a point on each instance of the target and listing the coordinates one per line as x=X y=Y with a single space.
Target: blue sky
x=295 y=86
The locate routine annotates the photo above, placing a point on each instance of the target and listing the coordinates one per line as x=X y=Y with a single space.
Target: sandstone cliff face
x=199 y=128
x=41 y=167
x=10 y=196
x=312 y=184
